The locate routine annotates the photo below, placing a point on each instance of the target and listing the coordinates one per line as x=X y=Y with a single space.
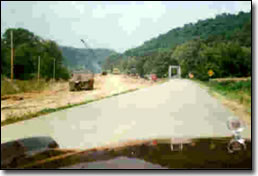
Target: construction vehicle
x=83 y=79
x=116 y=71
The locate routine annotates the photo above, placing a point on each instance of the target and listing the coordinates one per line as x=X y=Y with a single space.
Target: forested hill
x=224 y=24
x=222 y=44
x=80 y=58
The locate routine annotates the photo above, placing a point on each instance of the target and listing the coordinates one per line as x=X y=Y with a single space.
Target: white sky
x=114 y=25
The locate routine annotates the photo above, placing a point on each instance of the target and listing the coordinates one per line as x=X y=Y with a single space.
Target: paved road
x=178 y=108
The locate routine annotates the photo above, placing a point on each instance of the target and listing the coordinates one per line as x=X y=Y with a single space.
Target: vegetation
x=239 y=91
x=156 y=63
x=226 y=59
x=21 y=86
x=234 y=94
x=223 y=25
x=222 y=45
x=28 y=47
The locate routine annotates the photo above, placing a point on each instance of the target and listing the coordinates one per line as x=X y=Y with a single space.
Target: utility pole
x=54 y=71
x=38 y=68
x=12 y=55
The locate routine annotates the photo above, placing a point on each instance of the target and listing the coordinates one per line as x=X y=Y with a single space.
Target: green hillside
x=222 y=44
x=223 y=24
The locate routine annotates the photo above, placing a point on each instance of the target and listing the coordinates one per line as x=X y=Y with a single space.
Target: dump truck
x=81 y=81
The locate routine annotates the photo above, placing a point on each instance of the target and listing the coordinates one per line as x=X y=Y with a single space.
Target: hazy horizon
x=109 y=25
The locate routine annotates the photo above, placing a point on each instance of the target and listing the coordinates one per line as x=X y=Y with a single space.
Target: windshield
x=85 y=75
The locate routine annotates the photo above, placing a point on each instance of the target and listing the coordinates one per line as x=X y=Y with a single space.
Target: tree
x=188 y=56
x=222 y=45
x=28 y=47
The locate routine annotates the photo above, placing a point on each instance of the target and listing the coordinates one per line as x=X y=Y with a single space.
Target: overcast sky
x=113 y=25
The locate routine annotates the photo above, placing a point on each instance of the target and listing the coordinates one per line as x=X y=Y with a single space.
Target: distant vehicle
x=154 y=77
x=133 y=72
x=81 y=80
x=104 y=73
x=116 y=71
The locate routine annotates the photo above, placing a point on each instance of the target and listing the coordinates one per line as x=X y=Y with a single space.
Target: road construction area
x=58 y=95
x=177 y=108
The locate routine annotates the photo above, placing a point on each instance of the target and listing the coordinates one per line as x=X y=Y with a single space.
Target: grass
x=239 y=91
x=235 y=91
x=22 y=86
x=12 y=119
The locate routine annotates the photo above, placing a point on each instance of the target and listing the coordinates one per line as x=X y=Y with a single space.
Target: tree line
x=27 y=48
x=222 y=44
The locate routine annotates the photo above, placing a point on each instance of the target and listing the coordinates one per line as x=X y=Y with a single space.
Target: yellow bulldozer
x=116 y=71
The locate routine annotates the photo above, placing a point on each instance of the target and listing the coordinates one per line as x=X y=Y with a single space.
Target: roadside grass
x=232 y=93
x=22 y=86
x=239 y=91
x=12 y=118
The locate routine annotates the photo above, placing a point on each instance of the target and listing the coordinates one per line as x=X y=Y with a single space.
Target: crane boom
x=87 y=47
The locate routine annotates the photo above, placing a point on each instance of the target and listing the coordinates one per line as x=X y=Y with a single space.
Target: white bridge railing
x=178 y=68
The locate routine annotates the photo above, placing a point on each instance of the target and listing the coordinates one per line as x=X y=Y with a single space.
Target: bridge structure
x=178 y=71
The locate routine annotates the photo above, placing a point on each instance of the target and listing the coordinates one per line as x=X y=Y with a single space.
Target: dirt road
x=58 y=95
x=178 y=108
